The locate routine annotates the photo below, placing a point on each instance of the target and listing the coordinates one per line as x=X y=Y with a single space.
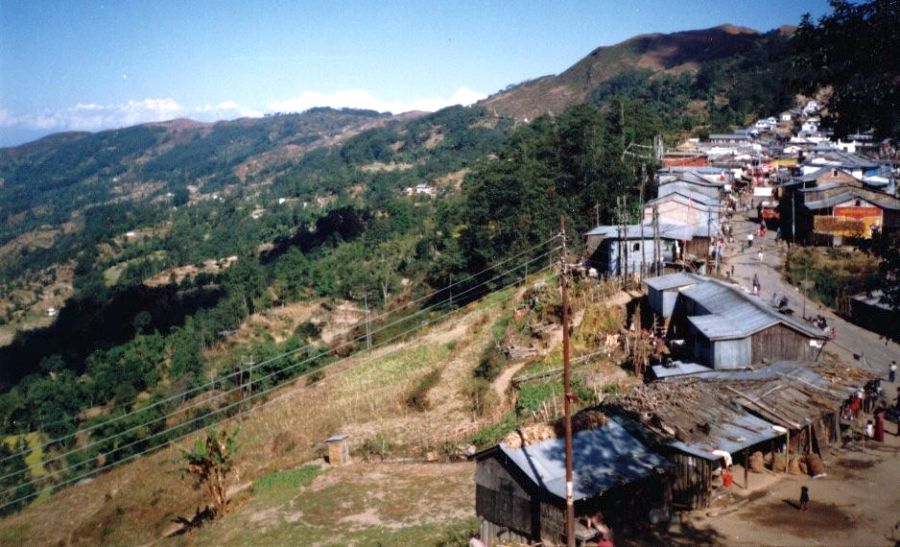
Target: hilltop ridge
x=672 y=53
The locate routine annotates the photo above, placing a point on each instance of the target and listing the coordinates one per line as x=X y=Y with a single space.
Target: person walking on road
x=756 y=285
x=750 y=240
x=892 y=371
x=804 y=498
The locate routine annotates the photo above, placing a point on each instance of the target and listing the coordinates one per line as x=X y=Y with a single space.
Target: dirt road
x=853 y=344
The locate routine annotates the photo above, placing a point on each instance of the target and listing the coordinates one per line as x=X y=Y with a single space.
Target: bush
x=379 y=446
x=481 y=396
x=491 y=364
x=492 y=434
x=418 y=397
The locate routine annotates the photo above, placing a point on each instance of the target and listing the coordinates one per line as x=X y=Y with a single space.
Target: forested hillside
x=711 y=78
x=157 y=242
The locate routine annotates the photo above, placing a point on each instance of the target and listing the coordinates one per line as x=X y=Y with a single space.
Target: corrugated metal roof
x=885 y=201
x=680 y=193
x=731 y=432
x=743 y=314
x=715 y=326
x=673 y=280
x=666 y=231
x=602 y=459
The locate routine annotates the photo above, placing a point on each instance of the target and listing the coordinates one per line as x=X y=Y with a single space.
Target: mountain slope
x=659 y=53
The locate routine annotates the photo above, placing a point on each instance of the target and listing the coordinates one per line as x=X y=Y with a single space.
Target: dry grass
x=363 y=396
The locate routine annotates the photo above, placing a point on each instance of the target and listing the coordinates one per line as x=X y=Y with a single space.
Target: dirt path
x=501 y=384
x=853 y=344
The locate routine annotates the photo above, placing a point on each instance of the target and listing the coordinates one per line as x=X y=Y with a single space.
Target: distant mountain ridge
x=671 y=53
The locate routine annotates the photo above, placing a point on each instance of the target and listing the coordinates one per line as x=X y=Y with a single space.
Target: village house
x=520 y=484
x=829 y=206
x=706 y=422
x=826 y=155
x=663 y=291
x=723 y=327
x=729 y=138
x=872 y=311
x=613 y=251
x=684 y=207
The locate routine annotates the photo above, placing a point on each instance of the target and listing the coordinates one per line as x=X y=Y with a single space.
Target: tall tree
x=853 y=51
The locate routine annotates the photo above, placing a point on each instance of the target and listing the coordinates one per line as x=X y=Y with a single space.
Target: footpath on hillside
x=853 y=344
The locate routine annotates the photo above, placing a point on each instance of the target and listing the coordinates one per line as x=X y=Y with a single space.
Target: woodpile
x=529 y=435
x=533 y=434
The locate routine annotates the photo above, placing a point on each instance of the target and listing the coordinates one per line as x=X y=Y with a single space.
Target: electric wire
x=223 y=394
x=261 y=393
x=182 y=395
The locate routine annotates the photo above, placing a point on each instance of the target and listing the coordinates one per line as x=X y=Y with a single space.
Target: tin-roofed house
x=707 y=420
x=726 y=328
x=520 y=486
x=663 y=291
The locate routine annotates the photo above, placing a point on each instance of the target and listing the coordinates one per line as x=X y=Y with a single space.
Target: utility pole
x=641 y=220
x=621 y=203
x=368 y=323
x=567 y=390
x=657 y=259
x=245 y=380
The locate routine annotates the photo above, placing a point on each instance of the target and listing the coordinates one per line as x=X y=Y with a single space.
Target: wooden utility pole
x=567 y=390
x=657 y=259
x=368 y=323
x=641 y=220
x=621 y=204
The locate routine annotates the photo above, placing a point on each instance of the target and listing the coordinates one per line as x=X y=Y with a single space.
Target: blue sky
x=91 y=65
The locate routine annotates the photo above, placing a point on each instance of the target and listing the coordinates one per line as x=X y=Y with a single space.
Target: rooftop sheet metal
x=679 y=192
x=744 y=313
x=666 y=231
x=731 y=432
x=715 y=326
x=603 y=458
x=679 y=369
x=885 y=201
x=792 y=371
x=673 y=280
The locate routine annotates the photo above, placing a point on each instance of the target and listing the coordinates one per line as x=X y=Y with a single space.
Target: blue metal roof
x=603 y=458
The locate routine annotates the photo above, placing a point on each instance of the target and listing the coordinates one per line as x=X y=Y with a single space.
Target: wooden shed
x=338 y=450
x=520 y=490
x=694 y=420
x=726 y=328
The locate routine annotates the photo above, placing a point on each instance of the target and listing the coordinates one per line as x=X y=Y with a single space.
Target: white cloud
x=359 y=98
x=92 y=116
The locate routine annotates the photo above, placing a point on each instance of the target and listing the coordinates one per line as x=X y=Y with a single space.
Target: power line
x=212 y=383
x=219 y=380
x=240 y=402
x=270 y=375
x=261 y=379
